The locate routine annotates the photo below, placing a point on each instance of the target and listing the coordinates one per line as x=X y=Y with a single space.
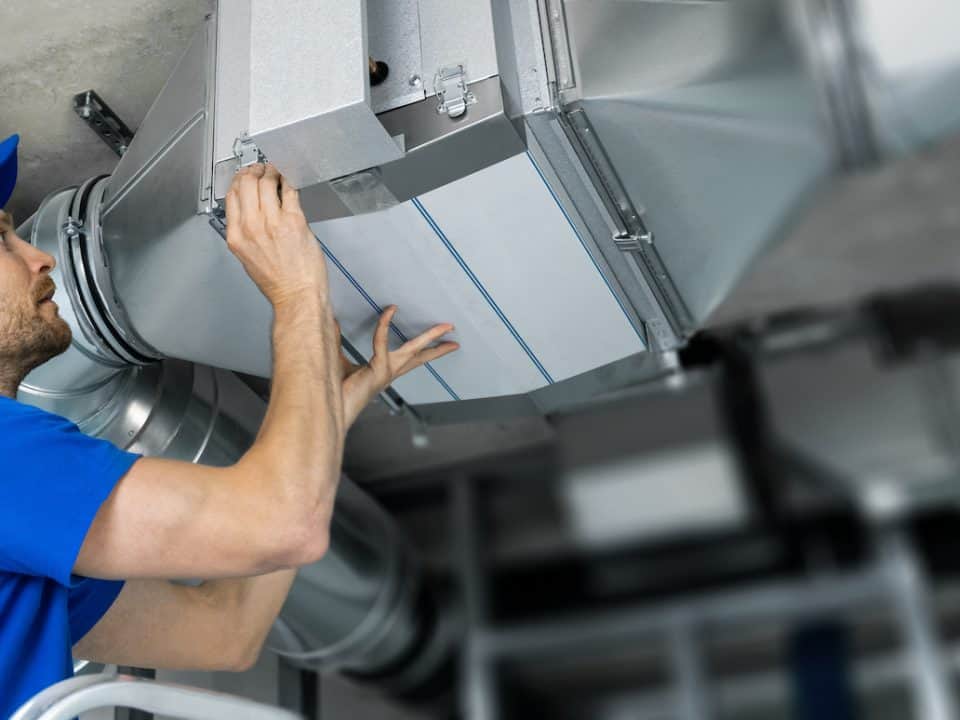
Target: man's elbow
x=300 y=542
x=311 y=546
x=243 y=659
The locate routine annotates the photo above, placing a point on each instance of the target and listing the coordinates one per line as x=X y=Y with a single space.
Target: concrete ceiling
x=52 y=49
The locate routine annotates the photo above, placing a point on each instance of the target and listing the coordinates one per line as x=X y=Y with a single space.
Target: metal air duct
x=569 y=182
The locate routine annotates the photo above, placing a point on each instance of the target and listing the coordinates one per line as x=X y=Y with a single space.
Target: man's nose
x=40 y=262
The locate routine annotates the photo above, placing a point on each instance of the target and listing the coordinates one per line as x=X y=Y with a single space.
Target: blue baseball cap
x=8 y=168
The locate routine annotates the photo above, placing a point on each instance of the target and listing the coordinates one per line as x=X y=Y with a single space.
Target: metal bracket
x=633 y=243
x=70 y=227
x=559 y=40
x=672 y=320
x=453 y=97
x=218 y=220
x=103 y=121
x=246 y=152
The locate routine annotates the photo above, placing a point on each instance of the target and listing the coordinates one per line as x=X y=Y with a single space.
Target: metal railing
x=69 y=698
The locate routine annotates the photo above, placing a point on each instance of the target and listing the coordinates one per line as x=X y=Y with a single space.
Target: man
x=90 y=535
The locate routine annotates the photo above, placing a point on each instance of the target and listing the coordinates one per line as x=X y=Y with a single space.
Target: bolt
x=85 y=112
x=415 y=81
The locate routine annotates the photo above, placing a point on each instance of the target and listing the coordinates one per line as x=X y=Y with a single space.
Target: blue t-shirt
x=53 y=480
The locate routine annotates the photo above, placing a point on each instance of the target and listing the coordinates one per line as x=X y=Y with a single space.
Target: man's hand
x=267 y=231
x=361 y=383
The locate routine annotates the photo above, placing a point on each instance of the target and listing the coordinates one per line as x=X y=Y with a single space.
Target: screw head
x=415 y=81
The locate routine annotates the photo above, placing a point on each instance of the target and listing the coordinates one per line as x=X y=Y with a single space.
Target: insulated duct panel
x=487 y=253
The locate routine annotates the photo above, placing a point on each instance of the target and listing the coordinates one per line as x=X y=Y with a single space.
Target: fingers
x=233 y=216
x=381 y=336
x=248 y=191
x=289 y=197
x=269 y=197
x=428 y=355
x=412 y=347
x=412 y=354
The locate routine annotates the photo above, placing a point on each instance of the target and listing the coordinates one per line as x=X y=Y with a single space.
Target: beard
x=31 y=334
x=43 y=338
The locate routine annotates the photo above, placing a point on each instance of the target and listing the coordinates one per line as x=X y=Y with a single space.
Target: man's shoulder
x=19 y=421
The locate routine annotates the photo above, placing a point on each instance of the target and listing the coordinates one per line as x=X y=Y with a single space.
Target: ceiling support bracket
x=103 y=121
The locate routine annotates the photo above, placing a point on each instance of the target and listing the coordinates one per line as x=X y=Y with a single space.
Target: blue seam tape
x=373 y=304
x=483 y=291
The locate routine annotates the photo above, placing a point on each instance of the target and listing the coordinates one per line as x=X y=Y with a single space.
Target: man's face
x=31 y=329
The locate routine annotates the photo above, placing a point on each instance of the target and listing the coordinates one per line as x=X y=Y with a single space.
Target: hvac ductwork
x=570 y=182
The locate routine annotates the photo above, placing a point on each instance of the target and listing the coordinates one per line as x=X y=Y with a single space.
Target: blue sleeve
x=54 y=479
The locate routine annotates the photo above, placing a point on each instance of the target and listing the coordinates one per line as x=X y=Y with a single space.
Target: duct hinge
x=247 y=152
x=629 y=243
x=453 y=97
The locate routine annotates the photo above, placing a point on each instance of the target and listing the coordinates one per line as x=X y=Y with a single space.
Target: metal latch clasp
x=246 y=151
x=629 y=242
x=453 y=97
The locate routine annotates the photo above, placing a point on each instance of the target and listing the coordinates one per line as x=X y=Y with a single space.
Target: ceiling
x=53 y=49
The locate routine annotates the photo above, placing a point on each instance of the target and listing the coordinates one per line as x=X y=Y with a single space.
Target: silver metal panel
x=715 y=188
x=718 y=144
x=232 y=109
x=180 y=103
x=396 y=257
x=641 y=47
x=310 y=108
x=910 y=68
x=453 y=33
x=393 y=34
x=512 y=233
x=183 y=291
x=551 y=150
x=520 y=56
x=440 y=149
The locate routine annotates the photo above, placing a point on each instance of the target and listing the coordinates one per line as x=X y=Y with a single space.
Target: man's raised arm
x=272 y=508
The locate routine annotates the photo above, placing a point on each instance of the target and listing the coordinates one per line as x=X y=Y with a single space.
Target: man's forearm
x=298 y=452
x=218 y=625
x=253 y=604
